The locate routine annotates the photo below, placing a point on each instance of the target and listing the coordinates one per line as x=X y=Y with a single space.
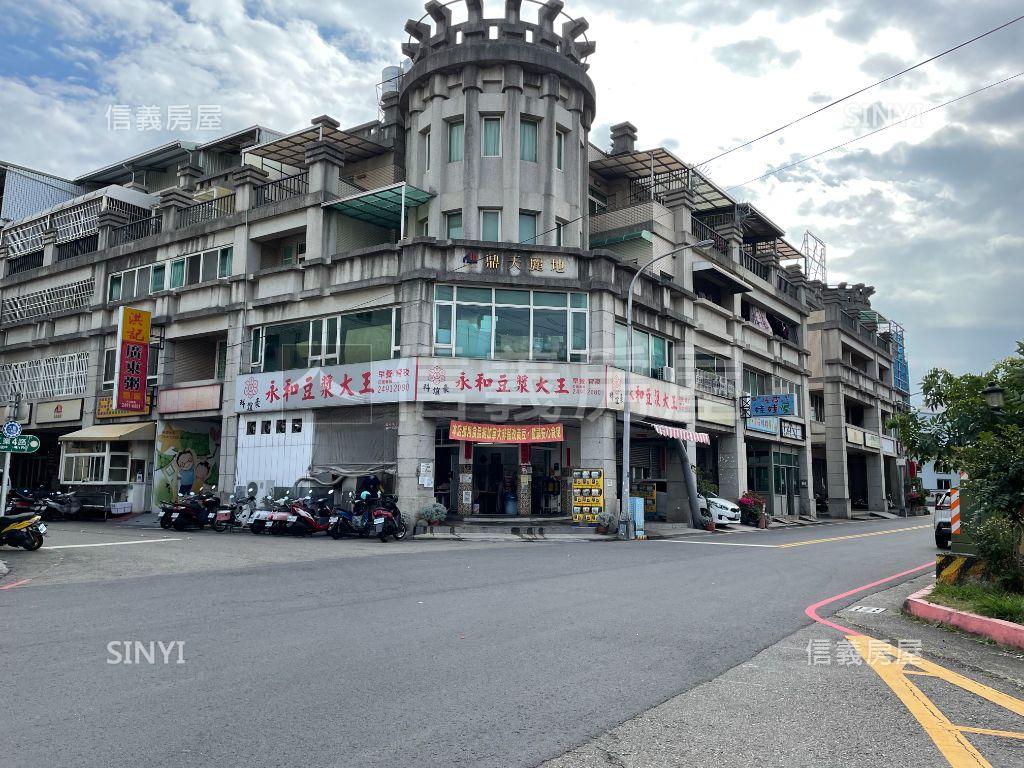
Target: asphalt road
x=426 y=654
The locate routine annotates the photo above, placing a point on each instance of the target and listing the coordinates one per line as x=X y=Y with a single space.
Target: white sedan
x=721 y=510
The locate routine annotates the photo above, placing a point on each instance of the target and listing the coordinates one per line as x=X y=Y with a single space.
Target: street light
x=993 y=395
x=624 y=510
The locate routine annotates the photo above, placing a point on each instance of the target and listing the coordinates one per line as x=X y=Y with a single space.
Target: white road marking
x=107 y=544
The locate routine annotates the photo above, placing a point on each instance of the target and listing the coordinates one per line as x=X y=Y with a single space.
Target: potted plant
x=752 y=508
x=433 y=513
x=605 y=521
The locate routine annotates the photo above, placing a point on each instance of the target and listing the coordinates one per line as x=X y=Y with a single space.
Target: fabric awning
x=145 y=430
x=383 y=206
x=720 y=277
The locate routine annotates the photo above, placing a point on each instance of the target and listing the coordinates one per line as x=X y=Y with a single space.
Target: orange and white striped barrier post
x=954 y=511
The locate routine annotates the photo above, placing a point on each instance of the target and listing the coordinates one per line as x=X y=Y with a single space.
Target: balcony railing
x=714 y=384
x=281 y=189
x=703 y=232
x=136 y=230
x=752 y=265
x=208 y=211
x=79 y=247
x=24 y=263
x=786 y=287
x=48 y=301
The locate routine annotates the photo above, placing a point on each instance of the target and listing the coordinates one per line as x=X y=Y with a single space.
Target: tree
x=961 y=431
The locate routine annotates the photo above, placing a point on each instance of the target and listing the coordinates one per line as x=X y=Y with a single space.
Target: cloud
x=754 y=57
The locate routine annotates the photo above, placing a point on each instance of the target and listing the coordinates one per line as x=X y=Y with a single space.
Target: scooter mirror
x=250 y=489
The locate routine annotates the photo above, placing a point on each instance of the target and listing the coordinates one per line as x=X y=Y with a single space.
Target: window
x=114 y=289
x=560 y=150
x=781 y=386
x=109 y=362
x=528 y=141
x=95 y=463
x=507 y=324
x=201 y=267
x=220 y=363
x=755 y=382
x=265 y=427
x=133 y=284
x=357 y=337
x=456 y=140
x=492 y=137
x=817 y=407
x=296 y=426
x=527 y=227
x=559 y=233
x=426 y=150
x=250 y=428
x=490 y=225
x=453 y=225
x=942 y=484
x=281 y=426
x=256 y=348
x=157 y=280
x=651 y=352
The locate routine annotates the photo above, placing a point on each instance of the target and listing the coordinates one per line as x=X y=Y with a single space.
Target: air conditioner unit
x=211 y=193
x=667 y=373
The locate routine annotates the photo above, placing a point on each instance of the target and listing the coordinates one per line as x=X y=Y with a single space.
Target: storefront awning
x=720 y=277
x=383 y=206
x=139 y=431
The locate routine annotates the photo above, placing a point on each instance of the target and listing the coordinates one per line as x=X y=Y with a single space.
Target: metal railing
x=281 y=189
x=24 y=263
x=79 y=247
x=208 y=211
x=656 y=187
x=786 y=287
x=49 y=301
x=752 y=265
x=136 y=230
x=703 y=232
x=714 y=383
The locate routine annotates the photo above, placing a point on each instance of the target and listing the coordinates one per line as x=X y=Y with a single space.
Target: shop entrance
x=495 y=470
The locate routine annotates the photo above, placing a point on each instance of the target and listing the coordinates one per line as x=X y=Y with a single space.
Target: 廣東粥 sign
x=131 y=365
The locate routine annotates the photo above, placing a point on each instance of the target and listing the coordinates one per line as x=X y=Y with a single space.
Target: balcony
x=612 y=225
x=714 y=384
x=703 y=232
x=750 y=263
x=48 y=302
x=24 y=263
x=75 y=248
x=136 y=230
x=208 y=211
x=853 y=326
x=281 y=189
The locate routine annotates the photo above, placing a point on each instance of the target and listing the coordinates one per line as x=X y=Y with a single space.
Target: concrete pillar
x=49 y=246
x=433 y=178
x=188 y=173
x=732 y=466
x=325 y=161
x=246 y=179
x=415 y=446
x=602 y=328
x=471 y=153
x=546 y=155
x=417 y=321
x=172 y=202
x=837 y=476
x=465 y=480
x=524 y=487
x=678 y=510
x=510 y=163
x=106 y=223
x=229 y=419
x=876 y=482
x=598 y=443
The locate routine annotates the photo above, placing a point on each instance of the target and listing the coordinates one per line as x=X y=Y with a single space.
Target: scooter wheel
x=335 y=534
x=35 y=541
x=165 y=524
x=257 y=530
x=402 y=530
x=178 y=526
x=384 y=538
x=219 y=526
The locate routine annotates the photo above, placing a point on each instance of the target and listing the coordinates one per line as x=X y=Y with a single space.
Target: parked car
x=722 y=511
x=942 y=520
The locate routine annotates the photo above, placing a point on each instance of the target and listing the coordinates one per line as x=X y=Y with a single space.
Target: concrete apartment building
x=402 y=296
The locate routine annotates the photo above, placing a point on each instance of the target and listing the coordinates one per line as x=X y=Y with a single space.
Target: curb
x=998 y=630
x=4 y=570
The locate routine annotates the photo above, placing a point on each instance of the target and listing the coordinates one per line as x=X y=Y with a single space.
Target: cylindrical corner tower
x=497 y=114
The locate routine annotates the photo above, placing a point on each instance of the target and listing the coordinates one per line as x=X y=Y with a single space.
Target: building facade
x=437 y=296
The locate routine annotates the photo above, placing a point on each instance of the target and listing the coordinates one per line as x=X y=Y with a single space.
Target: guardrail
x=281 y=189
x=24 y=263
x=752 y=265
x=136 y=230
x=208 y=211
x=79 y=247
x=703 y=232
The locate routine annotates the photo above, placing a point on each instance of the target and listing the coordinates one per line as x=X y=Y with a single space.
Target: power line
x=860 y=91
x=876 y=131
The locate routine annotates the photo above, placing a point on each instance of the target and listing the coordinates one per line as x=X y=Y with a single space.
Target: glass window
x=142 y=282
x=256 y=347
x=621 y=350
x=114 y=292
x=209 y=268
x=331 y=339
x=472 y=331
x=221 y=365
x=177 y=273
x=578 y=300
x=456 y=141
x=286 y=346
x=193 y=269
x=659 y=353
x=641 y=353
x=512 y=333
x=250 y=428
x=481 y=295
x=453 y=225
x=521 y=298
x=156 y=280
x=492 y=137
x=316 y=338
x=224 y=262
x=528 y=141
x=296 y=425
x=550 y=334
x=490 y=225
x=426 y=150
x=545 y=299
x=128 y=285
x=560 y=150
x=579 y=330
x=365 y=336
x=444 y=292
x=443 y=324
x=527 y=227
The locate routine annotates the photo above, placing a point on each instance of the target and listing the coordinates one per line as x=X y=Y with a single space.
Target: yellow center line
x=851 y=536
x=991 y=732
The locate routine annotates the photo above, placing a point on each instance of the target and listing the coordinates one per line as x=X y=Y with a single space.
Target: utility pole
x=12 y=413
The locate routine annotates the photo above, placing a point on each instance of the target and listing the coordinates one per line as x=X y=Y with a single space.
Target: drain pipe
x=691 y=483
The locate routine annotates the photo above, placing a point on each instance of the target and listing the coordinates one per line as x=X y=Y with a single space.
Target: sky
x=929 y=212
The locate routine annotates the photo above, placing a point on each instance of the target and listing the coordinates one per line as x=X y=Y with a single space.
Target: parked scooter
x=239 y=512
x=273 y=520
x=23 y=500
x=387 y=518
x=22 y=530
x=309 y=517
x=350 y=522
x=821 y=501
x=61 y=506
x=193 y=509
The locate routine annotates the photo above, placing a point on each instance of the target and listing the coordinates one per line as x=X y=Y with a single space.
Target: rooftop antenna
x=815 y=261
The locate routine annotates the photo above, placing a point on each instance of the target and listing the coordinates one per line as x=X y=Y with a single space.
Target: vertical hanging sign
x=132 y=361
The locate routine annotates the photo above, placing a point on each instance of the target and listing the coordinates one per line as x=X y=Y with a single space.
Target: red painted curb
x=1002 y=632
x=812 y=610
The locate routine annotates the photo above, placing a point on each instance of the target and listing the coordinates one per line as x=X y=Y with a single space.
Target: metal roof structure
x=291 y=149
x=383 y=206
x=158 y=157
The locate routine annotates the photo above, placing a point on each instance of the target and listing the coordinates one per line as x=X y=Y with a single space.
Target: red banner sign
x=132 y=363
x=469 y=432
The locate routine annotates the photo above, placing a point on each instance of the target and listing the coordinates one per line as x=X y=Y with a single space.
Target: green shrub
x=982 y=599
x=998 y=542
